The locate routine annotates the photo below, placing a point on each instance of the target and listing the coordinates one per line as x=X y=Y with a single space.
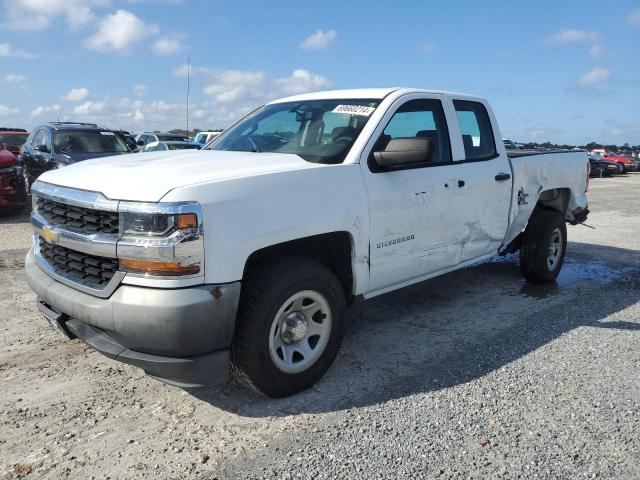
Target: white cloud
x=140 y=90
x=118 y=32
x=301 y=81
x=570 y=35
x=232 y=85
x=7 y=50
x=14 y=79
x=89 y=107
x=39 y=14
x=427 y=48
x=76 y=94
x=138 y=116
x=167 y=46
x=181 y=71
x=634 y=16
x=318 y=40
x=198 y=114
x=230 y=95
x=6 y=111
x=594 y=77
x=596 y=51
x=45 y=109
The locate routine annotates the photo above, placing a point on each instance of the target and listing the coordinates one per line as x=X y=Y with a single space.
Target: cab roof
x=71 y=126
x=365 y=93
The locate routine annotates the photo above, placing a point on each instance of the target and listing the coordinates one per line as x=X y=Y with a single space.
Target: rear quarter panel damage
x=535 y=174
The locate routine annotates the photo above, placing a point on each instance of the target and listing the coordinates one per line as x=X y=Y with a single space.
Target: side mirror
x=140 y=143
x=42 y=148
x=132 y=145
x=405 y=151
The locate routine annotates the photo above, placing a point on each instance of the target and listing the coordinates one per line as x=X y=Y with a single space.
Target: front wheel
x=544 y=244
x=289 y=326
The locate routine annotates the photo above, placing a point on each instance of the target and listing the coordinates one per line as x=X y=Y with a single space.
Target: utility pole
x=188 y=88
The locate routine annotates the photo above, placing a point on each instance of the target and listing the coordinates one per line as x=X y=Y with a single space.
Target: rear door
x=487 y=177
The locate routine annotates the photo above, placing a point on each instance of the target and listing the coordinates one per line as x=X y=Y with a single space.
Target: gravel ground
x=472 y=375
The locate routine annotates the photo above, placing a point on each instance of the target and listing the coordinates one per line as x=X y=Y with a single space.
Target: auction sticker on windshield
x=354 y=110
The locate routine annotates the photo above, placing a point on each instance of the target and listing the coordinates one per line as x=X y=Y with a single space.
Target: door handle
x=459 y=182
x=501 y=177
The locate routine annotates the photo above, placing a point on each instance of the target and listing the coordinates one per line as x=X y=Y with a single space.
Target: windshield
x=320 y=131
x=87 y=142
x=182 y=146
x=12 y=139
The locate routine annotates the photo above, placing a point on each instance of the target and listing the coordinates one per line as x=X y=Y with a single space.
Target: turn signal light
x=187 y=220
x=158 y=268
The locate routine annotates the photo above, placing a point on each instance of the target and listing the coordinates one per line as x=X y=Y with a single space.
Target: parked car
x=164 y=146
x=603 y=168
x=12 y=139
x=627 y=164
x=144 y=138
x=128 y=139
x=54 y=145
x=509 y=144
x=13 y=194
x=201 y=137
x=248 y=252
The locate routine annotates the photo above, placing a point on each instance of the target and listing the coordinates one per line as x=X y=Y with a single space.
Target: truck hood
x=150 y=176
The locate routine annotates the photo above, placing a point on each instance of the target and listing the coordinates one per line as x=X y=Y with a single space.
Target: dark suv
x=57 y=144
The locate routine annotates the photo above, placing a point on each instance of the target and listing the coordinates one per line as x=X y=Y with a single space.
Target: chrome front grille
x=81 y=267
x=78 y=218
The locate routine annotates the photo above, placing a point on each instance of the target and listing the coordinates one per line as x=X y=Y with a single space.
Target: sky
x=565 y=71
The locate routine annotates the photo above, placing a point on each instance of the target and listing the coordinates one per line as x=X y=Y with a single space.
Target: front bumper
x=180 y=336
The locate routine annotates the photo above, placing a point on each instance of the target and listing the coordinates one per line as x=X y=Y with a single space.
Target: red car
x=13 y=194
x=627 y=164
x=12 y=139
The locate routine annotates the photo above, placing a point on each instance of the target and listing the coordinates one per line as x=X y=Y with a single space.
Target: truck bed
x=527 y=153
x=537 y=171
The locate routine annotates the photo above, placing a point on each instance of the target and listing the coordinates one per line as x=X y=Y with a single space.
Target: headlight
x=155 y=225
x=161 y=239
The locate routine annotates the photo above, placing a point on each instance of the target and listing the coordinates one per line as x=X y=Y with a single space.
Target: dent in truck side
x=433 y=218
x=547 y=178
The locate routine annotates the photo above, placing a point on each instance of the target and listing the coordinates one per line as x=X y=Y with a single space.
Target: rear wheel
x=289 y=327
x=544 y=244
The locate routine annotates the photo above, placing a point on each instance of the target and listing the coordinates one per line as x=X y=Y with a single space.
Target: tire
x=538 y=263
x=264 y=353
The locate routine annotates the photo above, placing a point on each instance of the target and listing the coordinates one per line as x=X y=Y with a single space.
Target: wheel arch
x=555 y=199
x=334 y=250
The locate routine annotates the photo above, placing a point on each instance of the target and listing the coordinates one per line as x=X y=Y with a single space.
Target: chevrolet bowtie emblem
x=48 y=234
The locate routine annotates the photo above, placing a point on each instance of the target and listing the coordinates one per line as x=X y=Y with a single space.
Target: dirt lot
x=474 y=375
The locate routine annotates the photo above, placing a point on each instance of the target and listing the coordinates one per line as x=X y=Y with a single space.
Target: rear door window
x=477 y=133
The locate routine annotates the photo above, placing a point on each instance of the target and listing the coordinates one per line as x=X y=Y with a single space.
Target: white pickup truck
x=245 y=256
